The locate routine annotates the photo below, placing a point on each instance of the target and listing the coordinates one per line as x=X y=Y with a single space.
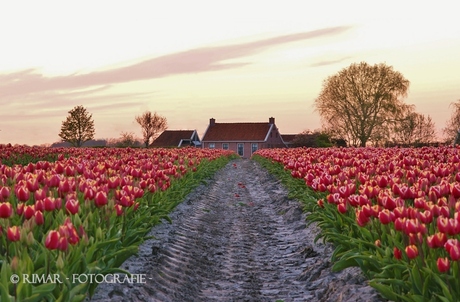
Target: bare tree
x=152 y=125
x=360 y=99
x=415 y=129
x=78 y=128
x=452 y=129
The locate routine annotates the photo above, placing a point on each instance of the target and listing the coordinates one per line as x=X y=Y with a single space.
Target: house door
x=240 y=149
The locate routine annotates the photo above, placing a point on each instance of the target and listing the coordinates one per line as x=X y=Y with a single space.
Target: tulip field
x=393 y=212
x=68 y=212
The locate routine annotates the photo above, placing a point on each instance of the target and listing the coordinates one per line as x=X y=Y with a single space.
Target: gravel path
x=239 y=238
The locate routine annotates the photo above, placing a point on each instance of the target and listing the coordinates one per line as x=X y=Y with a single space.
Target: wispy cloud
x=328 y=62
x=205 y=59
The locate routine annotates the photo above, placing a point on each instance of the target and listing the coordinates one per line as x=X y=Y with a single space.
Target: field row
x=74 y=212
x=393 y=212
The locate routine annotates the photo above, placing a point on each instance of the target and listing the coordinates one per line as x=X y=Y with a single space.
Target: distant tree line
x=78 y=130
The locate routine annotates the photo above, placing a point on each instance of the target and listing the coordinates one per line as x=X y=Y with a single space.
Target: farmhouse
x=177 y=138
x=243 y=138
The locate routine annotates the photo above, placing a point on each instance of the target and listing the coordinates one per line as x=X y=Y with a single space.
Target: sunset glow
x=193 y=60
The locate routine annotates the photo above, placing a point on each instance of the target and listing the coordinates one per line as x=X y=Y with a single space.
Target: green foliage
x=78 y=128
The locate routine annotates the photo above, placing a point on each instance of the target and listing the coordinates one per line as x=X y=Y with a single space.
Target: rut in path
x=237 y=239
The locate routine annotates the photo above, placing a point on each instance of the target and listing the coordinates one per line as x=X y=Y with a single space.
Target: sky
x=235 y=61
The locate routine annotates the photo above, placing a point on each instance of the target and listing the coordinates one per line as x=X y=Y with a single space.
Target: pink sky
x=189 y=65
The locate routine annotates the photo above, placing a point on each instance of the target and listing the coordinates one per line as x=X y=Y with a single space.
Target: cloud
x=328 y=62
x=205 y=59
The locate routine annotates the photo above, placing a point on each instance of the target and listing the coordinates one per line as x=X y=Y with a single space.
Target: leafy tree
x=314 y=139
x=78 y=128
x=152 y=125
x=360 y=99
x=452 y=129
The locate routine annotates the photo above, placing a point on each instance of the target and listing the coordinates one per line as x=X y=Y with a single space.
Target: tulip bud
x=397 y=253
x=39 y=218
x=411 y=251
x=6 y=210
x=443 y=264
x=100 y=199
x=52 y=240
x=13 y=233
x=14 y=264
x=60 y=262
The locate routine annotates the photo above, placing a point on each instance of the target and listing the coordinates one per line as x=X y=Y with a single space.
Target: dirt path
x=239 y=238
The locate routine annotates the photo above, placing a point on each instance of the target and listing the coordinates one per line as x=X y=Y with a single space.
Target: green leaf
x=385 y=290
x=417 y=279
x=343 y=264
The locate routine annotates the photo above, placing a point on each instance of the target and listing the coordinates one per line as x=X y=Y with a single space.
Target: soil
x=237 y=238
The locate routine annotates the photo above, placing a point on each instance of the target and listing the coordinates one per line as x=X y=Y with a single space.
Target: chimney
x=271 y=120
x=212 y=121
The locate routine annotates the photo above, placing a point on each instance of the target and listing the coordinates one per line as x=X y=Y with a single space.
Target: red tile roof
x=237 y=132
x=172 y=138
x=287 y=138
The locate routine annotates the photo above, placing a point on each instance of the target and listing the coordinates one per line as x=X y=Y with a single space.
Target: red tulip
x=361 y=218
x=100 y=199
x=52 y=240
x=454 y=252
x=386 y=216
x=6 y=210
x=29 y=211
x=39 y=218
x=48 y=204
x=13 y=233
x=40 y=194
x=455 y=189
x=63 y=244
x=320 y=203
x=411 y=251
x=342 y=207
x=22 y=193
x=437 y=240
x=443 y=264
x=32 y=184
x=397 y=253
x=72 y=206
x=119 y=209
x=4 y=193
x=400 y=224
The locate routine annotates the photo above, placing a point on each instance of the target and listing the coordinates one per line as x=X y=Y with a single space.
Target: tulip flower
x=437 y=240
x=29 y=211
x=39 y=218
x=4 y=193
x=22 y=193
x=6 y=210
x=411 y=251
x=72 y=206
x=52 y=240
x=361 y=218
x=63 y=244
x=443 y=264
x=48 y=204
x=100 y=199
x=397 y=253
x=13 y=233
x=386 y=216
x=342 y=207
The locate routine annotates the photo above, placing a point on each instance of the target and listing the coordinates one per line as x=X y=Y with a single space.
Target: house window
x=212 y=145
x=225 y=146
x=240 y=149
x=254 y=148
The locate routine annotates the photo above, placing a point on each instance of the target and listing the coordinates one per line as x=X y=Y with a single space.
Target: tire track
x=237 y=239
